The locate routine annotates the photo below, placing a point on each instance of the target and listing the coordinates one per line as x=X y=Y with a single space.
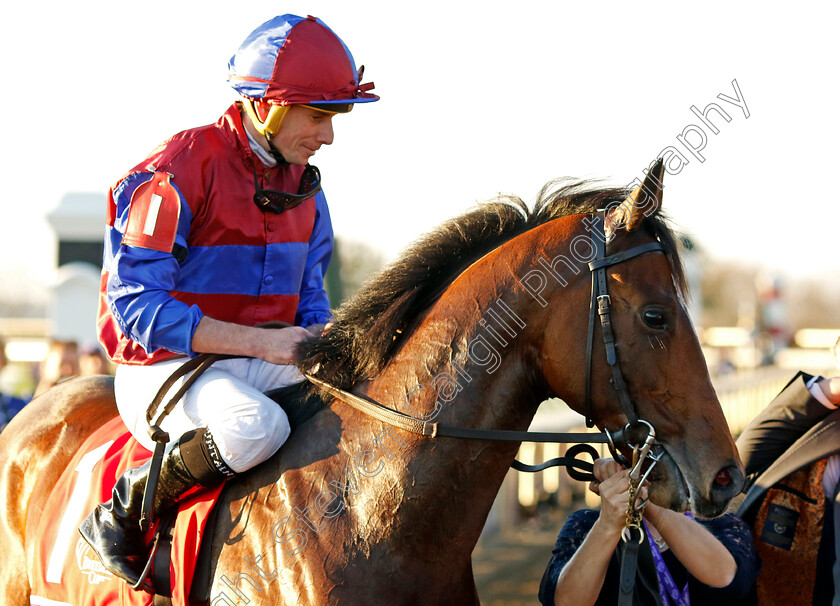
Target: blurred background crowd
x=21 y=381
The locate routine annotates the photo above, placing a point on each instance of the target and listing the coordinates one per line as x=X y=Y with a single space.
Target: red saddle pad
x=66 y=570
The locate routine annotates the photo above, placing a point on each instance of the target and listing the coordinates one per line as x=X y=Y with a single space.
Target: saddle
x=67 y=571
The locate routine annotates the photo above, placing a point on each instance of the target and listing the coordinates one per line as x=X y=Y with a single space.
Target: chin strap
x=275 y=153
x=266 y=126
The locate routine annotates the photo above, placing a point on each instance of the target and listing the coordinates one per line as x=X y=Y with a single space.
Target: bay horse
x=475 y=325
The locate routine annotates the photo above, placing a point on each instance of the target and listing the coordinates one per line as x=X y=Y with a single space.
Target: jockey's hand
x=317 y=329
x=281 y=345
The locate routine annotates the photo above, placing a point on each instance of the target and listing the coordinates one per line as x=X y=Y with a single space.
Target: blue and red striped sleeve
x=140 y=281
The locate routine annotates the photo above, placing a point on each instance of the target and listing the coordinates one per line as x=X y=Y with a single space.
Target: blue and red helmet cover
x=290 y=60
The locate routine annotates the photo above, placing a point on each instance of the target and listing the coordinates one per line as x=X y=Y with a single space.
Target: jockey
x=203 y=245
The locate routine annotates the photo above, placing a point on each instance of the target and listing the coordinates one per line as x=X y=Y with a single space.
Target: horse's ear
x=644 y=201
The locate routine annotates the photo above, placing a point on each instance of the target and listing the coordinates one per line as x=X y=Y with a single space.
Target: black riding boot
x=113 y=529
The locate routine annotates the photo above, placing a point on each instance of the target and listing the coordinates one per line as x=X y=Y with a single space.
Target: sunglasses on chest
x=277 y=202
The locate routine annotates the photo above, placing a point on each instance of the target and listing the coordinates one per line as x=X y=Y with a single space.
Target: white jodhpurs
x=227 y=399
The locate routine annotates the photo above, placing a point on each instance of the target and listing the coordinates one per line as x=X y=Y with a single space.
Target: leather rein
x=600 y=302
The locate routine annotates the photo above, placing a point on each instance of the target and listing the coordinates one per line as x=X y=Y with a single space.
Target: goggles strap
x=275 y=153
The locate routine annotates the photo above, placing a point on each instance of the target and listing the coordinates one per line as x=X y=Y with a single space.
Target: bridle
x=600 y=301
x=646 y=447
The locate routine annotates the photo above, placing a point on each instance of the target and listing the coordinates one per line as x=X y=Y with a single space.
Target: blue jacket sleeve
x=140 y=281
x=313 y=304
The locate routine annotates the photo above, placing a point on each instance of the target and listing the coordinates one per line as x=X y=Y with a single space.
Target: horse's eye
x=655 y=319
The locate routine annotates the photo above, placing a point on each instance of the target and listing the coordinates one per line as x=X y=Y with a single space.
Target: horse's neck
x=475 y=361
x=463 y=366
x=455 y=371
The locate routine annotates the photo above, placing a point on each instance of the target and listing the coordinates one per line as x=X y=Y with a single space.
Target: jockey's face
x=303 y=131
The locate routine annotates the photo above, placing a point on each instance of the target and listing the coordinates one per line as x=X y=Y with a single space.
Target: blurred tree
x=728 y=292
x=352 y=262
x=729 y=297
x=813 y=303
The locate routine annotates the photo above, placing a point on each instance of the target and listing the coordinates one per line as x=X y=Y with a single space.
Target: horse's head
x=657 y=351
x=502 y=293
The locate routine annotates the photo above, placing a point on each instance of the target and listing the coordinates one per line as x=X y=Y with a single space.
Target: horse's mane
x=370 y=327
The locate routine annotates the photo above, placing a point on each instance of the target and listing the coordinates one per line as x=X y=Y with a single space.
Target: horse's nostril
x=726 y=484
x=723 y=478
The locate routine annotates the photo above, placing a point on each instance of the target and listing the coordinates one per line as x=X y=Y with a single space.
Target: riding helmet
x=291 y=60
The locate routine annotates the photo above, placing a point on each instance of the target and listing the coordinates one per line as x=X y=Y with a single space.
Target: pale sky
x=477 y=98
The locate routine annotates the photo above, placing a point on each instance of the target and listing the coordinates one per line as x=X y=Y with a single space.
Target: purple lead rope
x=667 y=585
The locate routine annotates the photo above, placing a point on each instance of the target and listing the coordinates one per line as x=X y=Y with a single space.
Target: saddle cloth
x=66 y=571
